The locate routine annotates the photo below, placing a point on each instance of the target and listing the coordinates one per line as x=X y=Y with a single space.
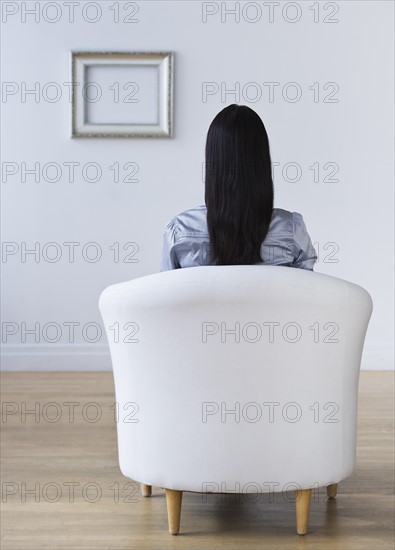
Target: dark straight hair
x=238 y=186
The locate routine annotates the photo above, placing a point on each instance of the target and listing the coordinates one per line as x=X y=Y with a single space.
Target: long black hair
x=238 y=186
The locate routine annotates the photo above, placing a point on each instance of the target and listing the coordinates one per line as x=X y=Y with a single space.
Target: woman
x=238 y=224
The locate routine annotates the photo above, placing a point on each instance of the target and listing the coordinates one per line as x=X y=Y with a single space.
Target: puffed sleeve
x=169 y=257
x=305 y=255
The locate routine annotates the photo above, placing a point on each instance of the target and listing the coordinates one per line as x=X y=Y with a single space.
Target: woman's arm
x=305 y=255
x=169 y=257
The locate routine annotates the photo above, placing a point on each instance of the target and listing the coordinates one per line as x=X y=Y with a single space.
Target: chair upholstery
x=236 y=378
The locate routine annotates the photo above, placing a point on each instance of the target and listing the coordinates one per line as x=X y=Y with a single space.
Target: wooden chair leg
x=331 y=491
x=173 y=501
x=302 y=510
x=146 y=490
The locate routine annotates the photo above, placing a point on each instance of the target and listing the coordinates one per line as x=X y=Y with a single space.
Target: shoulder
x=282 y=221
x=286 y=215
x=191 y=222
x=285 y=223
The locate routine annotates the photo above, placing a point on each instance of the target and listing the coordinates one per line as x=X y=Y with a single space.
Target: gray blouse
x=186 y=241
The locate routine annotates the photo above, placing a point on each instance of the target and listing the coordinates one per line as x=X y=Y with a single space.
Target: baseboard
x=378 y=357
x=56 y=358
x=97 y=358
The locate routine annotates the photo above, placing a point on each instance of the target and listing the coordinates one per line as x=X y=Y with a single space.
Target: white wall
x=356 y=133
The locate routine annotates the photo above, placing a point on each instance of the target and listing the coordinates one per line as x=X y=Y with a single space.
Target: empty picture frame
x=122 y=94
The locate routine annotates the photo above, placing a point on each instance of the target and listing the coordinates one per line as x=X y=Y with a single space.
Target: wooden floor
x=83 y=502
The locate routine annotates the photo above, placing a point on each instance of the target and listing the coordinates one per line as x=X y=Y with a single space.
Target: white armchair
x=236 y=379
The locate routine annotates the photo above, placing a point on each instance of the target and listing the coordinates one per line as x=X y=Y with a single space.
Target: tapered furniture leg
x=302 y=510
x=146 y=490
x=173 y=501
x=331 y=491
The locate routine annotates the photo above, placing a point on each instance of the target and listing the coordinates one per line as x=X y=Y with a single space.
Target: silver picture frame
x=160 y=122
